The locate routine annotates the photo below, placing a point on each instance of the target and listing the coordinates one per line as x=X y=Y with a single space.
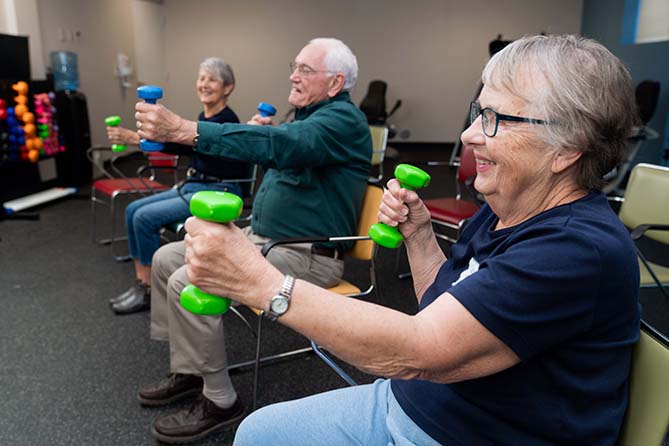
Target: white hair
x=219 y=69
x=580 y=86
x=339 y=58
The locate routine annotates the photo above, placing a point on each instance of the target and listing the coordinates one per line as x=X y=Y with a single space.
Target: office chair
x=116 y=184
x=363 y=249
x=645 y=210
x=373 y=105
x=647 y=94
x=379 y=142
x=647 y=416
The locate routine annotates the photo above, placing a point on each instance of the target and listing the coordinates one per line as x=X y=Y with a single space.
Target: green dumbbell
x=220 y=207
x=412 y=178
x=115 y=121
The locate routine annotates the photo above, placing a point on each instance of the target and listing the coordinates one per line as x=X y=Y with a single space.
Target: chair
x=647 y=94
x=116 y=184
x=379 y=142
x=373 y=105
x=248 y=189
x=453 y=212
x=645 y=210
x=363 y=249
x=647 y=416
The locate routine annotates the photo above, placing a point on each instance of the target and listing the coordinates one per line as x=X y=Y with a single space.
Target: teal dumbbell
x=115 y=121
x=220 y=207
x=412 y=178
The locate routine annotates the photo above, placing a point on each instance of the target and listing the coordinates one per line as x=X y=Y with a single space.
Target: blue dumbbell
x=266 y=109
x=150 y=94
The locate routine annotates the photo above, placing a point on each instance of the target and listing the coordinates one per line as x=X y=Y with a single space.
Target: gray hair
x=581 y=87
x=219 y=69
x=339 y=58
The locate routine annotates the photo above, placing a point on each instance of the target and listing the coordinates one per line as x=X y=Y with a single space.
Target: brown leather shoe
x=174 y=387
x=202 y=418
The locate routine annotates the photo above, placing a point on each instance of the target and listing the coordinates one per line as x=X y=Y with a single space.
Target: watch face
x=279 y=305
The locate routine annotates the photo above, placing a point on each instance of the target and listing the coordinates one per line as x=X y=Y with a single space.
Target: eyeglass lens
x=488 y=118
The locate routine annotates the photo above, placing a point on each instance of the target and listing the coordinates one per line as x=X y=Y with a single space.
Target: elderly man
x=315 y=174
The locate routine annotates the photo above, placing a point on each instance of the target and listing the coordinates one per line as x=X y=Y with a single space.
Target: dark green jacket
x=316 y=168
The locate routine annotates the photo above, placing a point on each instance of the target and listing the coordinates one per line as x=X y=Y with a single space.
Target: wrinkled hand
x=121 y=135
x=157 y=123
x=222 y=261
x=260 y=120
x=404 y=209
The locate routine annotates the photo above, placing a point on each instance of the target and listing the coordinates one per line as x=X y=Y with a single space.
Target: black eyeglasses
x=490 y=118
x=305 y=70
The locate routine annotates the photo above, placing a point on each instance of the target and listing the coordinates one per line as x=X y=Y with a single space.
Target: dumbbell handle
x=150 y=94
x=412 y=178
x=220 y=207
x=266 y=109
x=115 y=121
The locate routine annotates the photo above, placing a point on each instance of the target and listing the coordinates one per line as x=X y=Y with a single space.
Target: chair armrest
x=222 y=180
x=293 y=241
x=142 y=169
x=641 y=230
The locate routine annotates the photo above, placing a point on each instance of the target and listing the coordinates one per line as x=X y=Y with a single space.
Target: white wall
x=430 y=52
x=20 y=18
x=96 y=30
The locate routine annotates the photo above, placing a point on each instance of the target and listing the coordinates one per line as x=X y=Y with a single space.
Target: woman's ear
x=227 y=89
x=564 y=159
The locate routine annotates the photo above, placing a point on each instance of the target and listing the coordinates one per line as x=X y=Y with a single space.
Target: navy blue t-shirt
x=560 y=290
x=213 y=165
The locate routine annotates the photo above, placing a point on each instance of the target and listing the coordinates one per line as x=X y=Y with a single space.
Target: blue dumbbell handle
x=266 y=109
x=150 y=94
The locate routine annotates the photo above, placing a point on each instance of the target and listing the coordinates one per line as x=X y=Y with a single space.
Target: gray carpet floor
x=70 y=368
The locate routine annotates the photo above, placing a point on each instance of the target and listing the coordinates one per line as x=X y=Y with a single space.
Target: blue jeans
x=145 y=217
x=365 y=415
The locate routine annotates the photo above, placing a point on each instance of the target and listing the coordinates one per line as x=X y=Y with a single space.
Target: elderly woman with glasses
x=524 y=333
x=145 y=217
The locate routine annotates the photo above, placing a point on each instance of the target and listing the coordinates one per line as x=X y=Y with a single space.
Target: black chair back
x=647 y=93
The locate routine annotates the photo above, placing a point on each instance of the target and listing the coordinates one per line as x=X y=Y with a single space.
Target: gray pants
x=197 y=343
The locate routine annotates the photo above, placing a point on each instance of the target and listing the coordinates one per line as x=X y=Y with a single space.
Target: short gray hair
x=583 y=88
x=219 y=69
x=339 y=58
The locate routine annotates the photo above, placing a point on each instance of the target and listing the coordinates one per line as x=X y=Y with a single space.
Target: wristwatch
x=279 y=304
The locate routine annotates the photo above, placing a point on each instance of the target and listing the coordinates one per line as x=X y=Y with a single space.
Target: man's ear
x=336 y=84
x=564 y=159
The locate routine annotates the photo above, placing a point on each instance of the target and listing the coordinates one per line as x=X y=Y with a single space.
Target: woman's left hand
x=222 y=261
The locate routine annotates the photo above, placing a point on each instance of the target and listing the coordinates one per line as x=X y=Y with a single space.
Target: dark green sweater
x=316 y=168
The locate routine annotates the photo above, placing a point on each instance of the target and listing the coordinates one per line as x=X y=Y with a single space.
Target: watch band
x=285 y=292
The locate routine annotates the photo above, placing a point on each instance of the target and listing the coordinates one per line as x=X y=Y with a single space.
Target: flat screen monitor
x=15 y=60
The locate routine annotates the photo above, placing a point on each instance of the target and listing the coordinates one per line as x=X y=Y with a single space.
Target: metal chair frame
x=143 y=184
x=363 y=249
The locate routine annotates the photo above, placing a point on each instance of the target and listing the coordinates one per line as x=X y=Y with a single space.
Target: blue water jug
x=65 y=73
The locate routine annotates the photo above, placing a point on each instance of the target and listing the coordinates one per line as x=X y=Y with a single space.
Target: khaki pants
x=197 y=343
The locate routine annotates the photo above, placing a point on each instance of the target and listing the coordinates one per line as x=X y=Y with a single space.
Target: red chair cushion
x=450 y=210
x=109 y=186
